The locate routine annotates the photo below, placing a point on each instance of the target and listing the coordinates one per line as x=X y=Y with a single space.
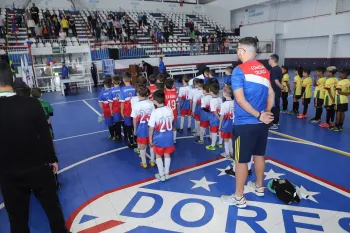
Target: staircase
x=19 y=36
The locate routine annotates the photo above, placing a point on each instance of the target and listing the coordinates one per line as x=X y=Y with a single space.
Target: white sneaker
x=160 y=178
x=259 y=191
x=231 y=200
x=167 y=177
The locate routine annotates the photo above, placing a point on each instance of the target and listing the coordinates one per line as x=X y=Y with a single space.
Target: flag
x=29 y=79
x=13 y=71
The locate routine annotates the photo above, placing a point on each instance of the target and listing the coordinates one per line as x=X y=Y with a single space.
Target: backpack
x=285 y=191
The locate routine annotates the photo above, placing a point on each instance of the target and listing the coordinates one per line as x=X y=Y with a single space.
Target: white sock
x=167 y=165
x=182 y=120
x=231 y=146
x=220 y=139
x=151 y=151
x=160 y=166
x=213 y=139
x=174 y=133
x=227 y=148
x=189 y=122
x=196 y=127
x=143 y=156
x=201 y=133
x=234 y=166
x=250 y=164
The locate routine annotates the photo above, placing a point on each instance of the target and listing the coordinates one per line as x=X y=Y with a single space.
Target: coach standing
x=276 y=79
x=28 y=162
x=253 y=102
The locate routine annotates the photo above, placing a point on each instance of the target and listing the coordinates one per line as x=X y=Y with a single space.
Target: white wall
x=316 y=47
x=341 y=46
x=218 y=12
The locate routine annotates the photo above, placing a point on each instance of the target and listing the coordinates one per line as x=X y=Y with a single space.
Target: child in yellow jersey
x=297 y=90
x=329 y=97
x=341 y=99
x=319 y=82
x=286 y=89
x=306 y=92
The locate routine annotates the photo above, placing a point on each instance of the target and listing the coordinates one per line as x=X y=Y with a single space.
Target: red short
x=185 y=112
x=204 y=124
x=144 y=141
x=226 y=135
x=162 y=151
x=214 y=129
x=197 y=117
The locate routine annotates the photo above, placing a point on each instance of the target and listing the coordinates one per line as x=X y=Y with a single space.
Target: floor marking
x=92 y=108
x=102 y=226
x=73 y=101
x=80 y=135
x=2 y=205
x=311 y=143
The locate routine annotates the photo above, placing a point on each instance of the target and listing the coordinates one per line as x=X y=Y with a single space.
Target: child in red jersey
x=104 y=104
x=160 y=81
x=185 y=106
x=152 y=85
x=170 y=101
x=114 y=103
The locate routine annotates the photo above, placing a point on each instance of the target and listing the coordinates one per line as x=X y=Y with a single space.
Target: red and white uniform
x=196 y=95
x=151 y=89
x=215 y=104
x=205 y=116
x=227 y=110
x=184 y=93
x=141 y=111
x=170 y=101
x=163 y=138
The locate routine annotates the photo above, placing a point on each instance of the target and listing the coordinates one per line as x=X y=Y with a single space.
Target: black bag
x=285 y=191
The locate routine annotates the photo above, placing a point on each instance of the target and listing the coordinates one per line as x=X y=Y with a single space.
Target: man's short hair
x=141 y=80
x=142 y=90
x=206 y=72
x=169 y=83
x=116 y=79
x=346 y=72
x=249 y=41
x=152 y=79
x=5 y=74
x=275 y=57
x=215 y=88
x=159 y=96
x=36 y=92
x=186 y=78
x=23 y=91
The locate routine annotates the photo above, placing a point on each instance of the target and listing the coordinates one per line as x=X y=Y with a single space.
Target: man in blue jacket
x=64 y=74
x=161 y=67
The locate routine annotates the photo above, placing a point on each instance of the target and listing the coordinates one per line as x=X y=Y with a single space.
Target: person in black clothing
x=148 y=68
x=28 y=162
x=94 y=73
x=276 y=79
x=93 y=25
x=89 y=19
x=34 y=11
x=166 y=35
x=72 y=26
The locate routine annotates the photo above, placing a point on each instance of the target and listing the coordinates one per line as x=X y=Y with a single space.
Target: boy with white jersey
x=226 y=121
x=196 y=96
x=204 y=113
x=185 y=106
x=161 y=136
x=214 y=118
x=141 y=112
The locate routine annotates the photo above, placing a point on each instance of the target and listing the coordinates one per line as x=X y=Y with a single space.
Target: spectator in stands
x=65 y=25
x=18 y=20
x=57 y=28
x=166 y=24
x=93 y=26
x=109 y=32
x=89 y=19
x=45 y=31
x=34 y=11
x=161 y=67
x=227 y=45
x=122 y=22
x=139 y=20
x=134 y=34
x=191 y=25
x=109 y=20
x=94 y=73
x=98 y=32
x=47 y=14
x=63 y=36
x=127 y=20
x=171 y=27
x=148 y=68
x=54 y=17
x=2 y=26
x=187 y=27
x=72 y=26
x=27 y=16
x=31 y=27
x=144 y=19
x=166 y=35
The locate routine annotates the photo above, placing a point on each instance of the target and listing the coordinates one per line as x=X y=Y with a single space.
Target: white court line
x=73 y=101
x=81 y=135
x=92 y=108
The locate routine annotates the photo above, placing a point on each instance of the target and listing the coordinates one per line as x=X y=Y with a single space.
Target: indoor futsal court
x=105 y=190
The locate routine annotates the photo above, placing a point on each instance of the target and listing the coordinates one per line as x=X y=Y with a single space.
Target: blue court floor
x=105 y=190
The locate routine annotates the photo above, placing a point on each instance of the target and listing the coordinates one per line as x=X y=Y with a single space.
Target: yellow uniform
x=297 y=85
x=330 y=87
x=307 y=84
x=285 y=80
x=344 y=87
x=319 y=90
x=64 y=23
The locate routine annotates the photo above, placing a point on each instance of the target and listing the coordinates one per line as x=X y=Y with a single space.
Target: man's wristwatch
x=259 y=116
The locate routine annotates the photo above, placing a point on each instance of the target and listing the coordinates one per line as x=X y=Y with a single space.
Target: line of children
x=115 y=105
x=185 y=106
x=286 y=89
x=341 y=99
x=105 y=107
x=195 y=97
x=306 y=92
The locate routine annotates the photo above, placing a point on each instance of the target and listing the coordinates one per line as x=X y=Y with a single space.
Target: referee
x=254 y=98
x=28 y=162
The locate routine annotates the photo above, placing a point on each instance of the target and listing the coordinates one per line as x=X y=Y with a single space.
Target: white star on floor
x=247 y=190
x=307 y=195
x=203 y=183
x=222 y=171
x=272 y=175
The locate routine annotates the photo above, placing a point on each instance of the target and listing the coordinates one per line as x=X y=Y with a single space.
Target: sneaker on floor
x=152 y=163
x=292 y=113
x=189 y=129
x=219 y=145
x=315 y=121
x=274 y=127
x=212 y=148
x=160 y=178
x=137 y=150
x=336 y=129
x=199 y=142
x=225 y=155
x=232 y=201
x=341 y=128
x=195 y=134
x=259 y=191
x=180 y=130
x=324 y=125
x=132 y=146
x=230 y=172
x=167 y=177
x=111 y=138
x=331 y=124
x=302 y=116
